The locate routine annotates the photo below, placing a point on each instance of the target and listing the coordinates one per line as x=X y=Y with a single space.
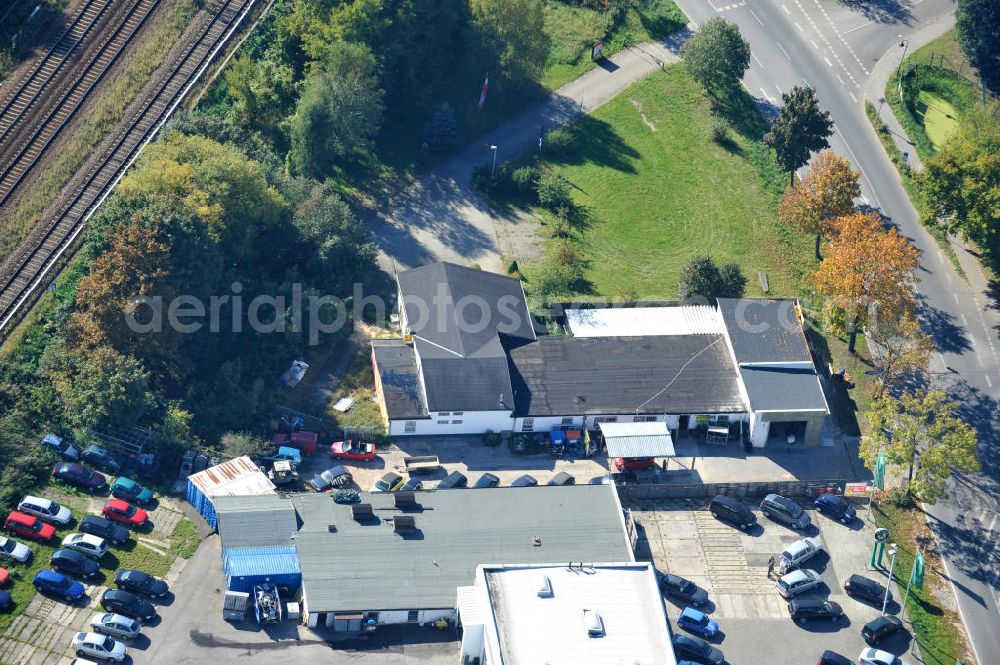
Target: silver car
x=14 y=550
x=799 y=552
x=45 y=509
x=87 y=544
x=115 y=625
x=797 y=581
x=102 y=647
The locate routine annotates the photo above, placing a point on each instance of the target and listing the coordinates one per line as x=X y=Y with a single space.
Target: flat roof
x=637 y=439
x=356 y=566
x=764 y=330
x=266 y=521
x=781 y=389
x=532 y=629
x=644 y=321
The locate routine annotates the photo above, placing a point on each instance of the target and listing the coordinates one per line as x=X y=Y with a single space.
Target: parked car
x=352 y=450
x=60 y=446
x=389 y=482
x=57 y=584
x=70 y=562
x=6 y=602
x=29 y=526
x=129 y=604
x=833 y=658
x=102 y=458
x=836 y=507
x=11 y=549
x=115 y=625
x=686 y=590
x=4 y=576
x=877 y=657
x=561 y=479
x=336 y=476
x=45 y=509
x=880 y=628
x=284 y=454
x=127 y=489
x=412 y=485
x=734 y=511
x=797 y=581
x=524 y=481
x=455 y=480
x=486 y=481
x=697 y=622
x=94 y=645
x=699 y=651
x=137 y=581
x=623 y=478
x=77 y=475
x=785 y=511
x=634 y=463
x=806 y=609
x=799 y=552
x=857 y=586
x=85 y=543
x=126 y=513
x=106 y=529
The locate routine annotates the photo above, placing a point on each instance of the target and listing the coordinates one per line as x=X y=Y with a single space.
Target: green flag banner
x=917 y=576
x=880 y=471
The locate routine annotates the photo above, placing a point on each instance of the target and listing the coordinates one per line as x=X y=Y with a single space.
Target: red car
x=354 y=450
x=4 y=576
x=126 y=513
x=28 y=526
x=634 y=463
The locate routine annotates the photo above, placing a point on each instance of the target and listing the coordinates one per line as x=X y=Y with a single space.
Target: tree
x=339 y=113
x=978 y=24
x=801 y=128
x=441 y=131
x=826 y=193
x=899 y=349
x=701 y=278
x=512 y=33
x=717 y=55
x=921 y=432
x=868 y=268
x=962 y=181
x=238 y=444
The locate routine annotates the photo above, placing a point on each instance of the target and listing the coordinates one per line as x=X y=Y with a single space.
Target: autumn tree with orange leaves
x=826 y=193
x=868 y=270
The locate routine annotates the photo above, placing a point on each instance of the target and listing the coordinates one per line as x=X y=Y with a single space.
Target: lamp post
x=493 y=169
x=899 y=76
x=892 y=567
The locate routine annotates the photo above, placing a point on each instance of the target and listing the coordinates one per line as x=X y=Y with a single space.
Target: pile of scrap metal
x=267 y=603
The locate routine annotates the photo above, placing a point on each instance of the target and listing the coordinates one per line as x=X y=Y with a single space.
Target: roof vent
x=362 y=512
x=545 y=591
x=405 y=500
x=593 y=623
x=404 y=524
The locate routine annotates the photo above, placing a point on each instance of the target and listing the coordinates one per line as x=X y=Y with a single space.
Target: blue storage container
x=202 y=504
x=246 y=567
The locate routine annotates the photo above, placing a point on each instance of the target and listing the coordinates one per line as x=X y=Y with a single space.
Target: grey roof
x=764 y=330
x=397 y=370
x=478 y=382
x=367 y=566
x=778 y=389
x=637 y=439
x=255 y=521
x=678 y=374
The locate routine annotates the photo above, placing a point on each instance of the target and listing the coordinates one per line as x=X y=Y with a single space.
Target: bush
x=720 y=131
x=441 y=130
x=491 y=439
x=525 y=179
x=501 y=183
x=554 y=191
x=558 y=142
x=512 y=267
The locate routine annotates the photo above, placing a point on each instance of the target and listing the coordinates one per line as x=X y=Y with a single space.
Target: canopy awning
x=637 y=439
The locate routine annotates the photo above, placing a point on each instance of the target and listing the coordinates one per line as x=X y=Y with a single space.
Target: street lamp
x=892 y=567
x=493 y=169
x=899 y=74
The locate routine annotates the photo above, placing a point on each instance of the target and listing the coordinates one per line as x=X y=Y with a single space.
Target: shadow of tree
x=949 y=337
x=881 y=11
x=594 y=141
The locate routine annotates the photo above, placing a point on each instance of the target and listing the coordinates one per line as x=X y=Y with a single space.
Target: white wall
x=759 y=429
x=473 y=422
x=393 y=616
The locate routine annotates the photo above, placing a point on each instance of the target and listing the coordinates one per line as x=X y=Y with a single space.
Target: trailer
x=421 y=464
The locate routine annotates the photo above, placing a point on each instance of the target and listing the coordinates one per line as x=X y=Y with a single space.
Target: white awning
x=645 y=321
x=638 y=439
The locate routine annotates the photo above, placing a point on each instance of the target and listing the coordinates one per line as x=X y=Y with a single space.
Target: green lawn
x=940 y=117
x=659 y=191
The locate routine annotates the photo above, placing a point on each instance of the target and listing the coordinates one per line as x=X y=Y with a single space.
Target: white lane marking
x=943 y=363
x=853 y=97
x=754 y=14
x=841 y=38
x=988 y=381
x=947 y=276
x=965 y=322
x=840 y=79
x=766 y=96
x=814 y=44
x=799 y=26
x=858 y=27
x=779 y=89
x=957 y=301
x=858 y=164
x=786 y=10
x=827 y=61
x=829 y=46
x=757 y=60
x=782 y=49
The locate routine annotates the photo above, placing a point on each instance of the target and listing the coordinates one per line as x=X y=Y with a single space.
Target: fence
x=791 y=488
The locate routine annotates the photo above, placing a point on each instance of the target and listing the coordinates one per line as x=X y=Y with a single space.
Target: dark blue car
x=836 y=507
x=57 y=584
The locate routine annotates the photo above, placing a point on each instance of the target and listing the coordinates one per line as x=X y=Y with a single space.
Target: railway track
x=52 y=121
x=36 y=260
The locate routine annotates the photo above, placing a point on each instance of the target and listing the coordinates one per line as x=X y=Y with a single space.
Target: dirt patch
x=646 y=121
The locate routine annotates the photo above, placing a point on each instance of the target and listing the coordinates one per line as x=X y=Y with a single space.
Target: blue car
x=836 y=507
x=697 y=622
x=57 y=584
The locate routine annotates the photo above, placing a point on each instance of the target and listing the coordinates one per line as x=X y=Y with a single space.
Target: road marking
x=840 y=79
x=786 y=10
x=947 y=276
x=943 y=363
x=858 y=27
x=799 y=26
x=767 y=96
x=827 y=61
x=814 y=44
x=782 y=49
x=841 y=38
x=779 y=89
x=753 y=13
x=965 y=321
x=757 y=60
x=853 y=97
x=957 y=301
x=988 y=381
x=854 y=157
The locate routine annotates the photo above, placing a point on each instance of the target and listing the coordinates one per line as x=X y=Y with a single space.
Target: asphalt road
x=833 y=46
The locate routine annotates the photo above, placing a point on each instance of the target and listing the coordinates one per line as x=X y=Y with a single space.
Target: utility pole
x=899 y=74
x=892 y=567
x=493 y=169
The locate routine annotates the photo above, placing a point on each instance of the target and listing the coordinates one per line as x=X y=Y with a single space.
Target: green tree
x=978 y=24
x=919 y=431
x=337 y=248
x=717 y=55
x=512 y=34
x=441 y=131
x=900 y=349
x=800 y=129
x=260 y=90
x=702 y=278
x=238 y=444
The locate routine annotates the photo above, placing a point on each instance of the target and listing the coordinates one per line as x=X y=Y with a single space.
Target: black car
x=74 y=564
x=137 y=581
x=562 y=478
x=455 y=480
x=487 y=480
x=729 y=509
x=524 y=481
x=686 y=590
x=80 y=476
x=102 y=458
x=857 y=586
x=624 y=478
x=98 y=526
x=836 y=507
x=804 y=609
x=129 y=604
x=336 y=476
x=696 y=650
x=833 y=658
x=878 y=629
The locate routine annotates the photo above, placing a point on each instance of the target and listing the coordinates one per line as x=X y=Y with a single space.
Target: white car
x=879 y=657
x=796 y=582
x=14 y=550
x=102 y=647
x=45 y=509
x=85 y=543
x=115 y=625
x=799 y=552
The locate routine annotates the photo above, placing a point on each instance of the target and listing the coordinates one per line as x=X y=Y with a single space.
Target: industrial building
x=235 y=477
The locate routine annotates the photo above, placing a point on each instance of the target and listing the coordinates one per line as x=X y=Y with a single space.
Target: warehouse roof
x=261 y=561
x=478 y=382
x=355 y=566
x=780 y=389
x=556 y=376
x=764 y=330
x=397 y=369
x=265 y=521
x=644 y=321
x=235 y=477
x=637 y=439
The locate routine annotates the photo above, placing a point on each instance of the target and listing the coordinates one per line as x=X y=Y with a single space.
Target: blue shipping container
x=202 y=504
x=249 y=566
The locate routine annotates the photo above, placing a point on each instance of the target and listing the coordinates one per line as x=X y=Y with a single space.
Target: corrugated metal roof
x=236 y=477
x=469 y=607
x=638 y=439
x=644 y=321
x=269 y=520
x=262 y=561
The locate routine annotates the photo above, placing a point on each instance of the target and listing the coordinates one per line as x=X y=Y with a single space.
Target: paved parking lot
x=755 y=628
